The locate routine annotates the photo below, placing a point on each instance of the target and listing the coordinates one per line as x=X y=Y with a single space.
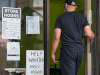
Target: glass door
x=31 y=34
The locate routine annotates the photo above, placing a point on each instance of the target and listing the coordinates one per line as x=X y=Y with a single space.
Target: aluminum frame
x=46 y=37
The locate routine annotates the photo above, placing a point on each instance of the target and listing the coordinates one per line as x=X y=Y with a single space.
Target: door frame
x=96 y=50
x=88 y=57
x=46 y=37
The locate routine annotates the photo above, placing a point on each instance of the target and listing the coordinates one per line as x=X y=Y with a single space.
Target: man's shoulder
x=82 y=16
x=61 y=16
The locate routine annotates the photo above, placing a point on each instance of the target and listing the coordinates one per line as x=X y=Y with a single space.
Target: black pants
x=70 y=59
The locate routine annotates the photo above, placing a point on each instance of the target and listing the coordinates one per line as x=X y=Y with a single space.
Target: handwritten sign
x=35 y=62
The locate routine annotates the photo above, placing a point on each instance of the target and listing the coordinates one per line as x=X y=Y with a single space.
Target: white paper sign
x=17 y=70
x=13 y=51
x=11 y=23
x=32 y=25
x=35 y=62
x=37 y=3
x=90 y=16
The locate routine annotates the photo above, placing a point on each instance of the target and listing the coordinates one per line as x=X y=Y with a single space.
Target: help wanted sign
x=34 y=62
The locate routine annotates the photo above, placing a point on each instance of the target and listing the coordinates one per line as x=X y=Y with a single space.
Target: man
x=69 y=27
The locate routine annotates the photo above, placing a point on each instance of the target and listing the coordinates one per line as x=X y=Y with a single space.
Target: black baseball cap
x=70 y=1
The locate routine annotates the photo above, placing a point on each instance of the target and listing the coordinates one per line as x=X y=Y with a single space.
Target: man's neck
x=69 y=10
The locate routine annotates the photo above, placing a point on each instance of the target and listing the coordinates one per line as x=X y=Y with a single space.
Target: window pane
x=4 y=3
x=13 y=3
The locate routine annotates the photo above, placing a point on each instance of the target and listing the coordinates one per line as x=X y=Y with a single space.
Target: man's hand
x=53 y=58
x=89 y=32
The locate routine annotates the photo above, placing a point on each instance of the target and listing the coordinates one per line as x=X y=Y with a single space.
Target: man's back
x=71 y=25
